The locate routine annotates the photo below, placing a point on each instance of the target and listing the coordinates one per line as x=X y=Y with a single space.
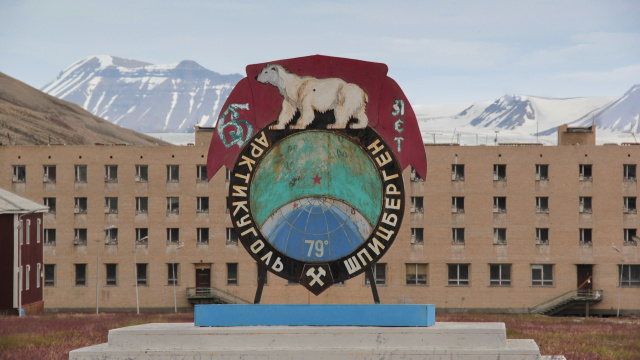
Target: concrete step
x=186 y=341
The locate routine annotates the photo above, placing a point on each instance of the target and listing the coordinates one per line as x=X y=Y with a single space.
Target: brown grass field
x=52 y=336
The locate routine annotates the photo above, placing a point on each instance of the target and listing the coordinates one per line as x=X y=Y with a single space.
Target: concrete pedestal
x=186 y=341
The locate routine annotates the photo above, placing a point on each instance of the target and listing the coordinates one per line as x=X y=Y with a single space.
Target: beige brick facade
x=483 y=245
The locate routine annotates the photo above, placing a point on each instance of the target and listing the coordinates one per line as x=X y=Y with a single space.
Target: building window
x=585 y=204
x=111 y=205
x=111 y=173
x=173 y=235
x=457 y=204
x=49 y=274
x=19 y=173
x=142 y=205
x=202 y=204
x=585 y=172
x=111 y=274
x=629 y=275
x=232 y=274
x=542 y=172
x=142 y=235
x=111 y=236
x=379 y=273
x=28 y=232
x=415 y=176
x=201 y=173
x=542 y=236
x=38 y=227
x=38 y=274
x=457 y=235
x=585 y=236
x=542 y=275
x=173 y=173
x=500 y=274
x=172 y=274
x=499 y=204
x=232 y=237
x=81 y=174
x=630 y=237
x=142 y=173
x=50 y=236
x=458 y=274
x=499 y=236
x=141 y=274
x=202 y=235
x=81 y=274
x=542 y=204
x=80 y=205
x=51 y=203
x=27 y=277
x=417 y=235
x=629 y=205
x=80 y=237
x=629 y=172
x=499 y=172
x=417 y=204
x=457 y=172
x=173 y=205
x=416 y=274
x=49 y=174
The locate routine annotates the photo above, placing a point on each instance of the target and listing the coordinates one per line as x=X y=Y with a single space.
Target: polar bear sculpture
x=306 y=94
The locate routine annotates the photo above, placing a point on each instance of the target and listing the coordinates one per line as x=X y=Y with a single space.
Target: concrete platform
x=443 y=340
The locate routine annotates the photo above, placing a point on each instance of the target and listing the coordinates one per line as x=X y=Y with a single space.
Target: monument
x=316 y=147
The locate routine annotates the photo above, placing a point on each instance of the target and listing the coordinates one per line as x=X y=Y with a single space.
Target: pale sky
x=439 y=52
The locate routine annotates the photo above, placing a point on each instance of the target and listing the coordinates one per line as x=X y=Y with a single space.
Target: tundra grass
x=52 y=336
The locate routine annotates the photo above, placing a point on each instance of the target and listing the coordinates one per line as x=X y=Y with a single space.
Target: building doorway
x=585 y=277
x=203 y=280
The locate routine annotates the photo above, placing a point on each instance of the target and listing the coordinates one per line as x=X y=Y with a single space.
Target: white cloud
x=446 y=52
x=588 y=50
x=629 y=74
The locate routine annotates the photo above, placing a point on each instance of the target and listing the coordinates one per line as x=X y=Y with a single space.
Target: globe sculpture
x=320 y=203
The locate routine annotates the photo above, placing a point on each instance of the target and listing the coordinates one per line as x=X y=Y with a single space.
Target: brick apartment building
x=492 y=228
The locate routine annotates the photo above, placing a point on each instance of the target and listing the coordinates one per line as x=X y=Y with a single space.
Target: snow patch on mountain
x=622 y=115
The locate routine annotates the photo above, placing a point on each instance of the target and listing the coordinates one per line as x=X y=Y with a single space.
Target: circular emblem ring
x=316 y=206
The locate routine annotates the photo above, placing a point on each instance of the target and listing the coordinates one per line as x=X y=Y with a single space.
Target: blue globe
x=316 y=229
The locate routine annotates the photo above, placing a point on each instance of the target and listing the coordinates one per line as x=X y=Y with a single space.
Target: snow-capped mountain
x=511 y=118
x=621 y=115
x=144 y=97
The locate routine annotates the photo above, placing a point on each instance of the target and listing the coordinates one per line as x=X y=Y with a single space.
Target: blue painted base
x=315 y=315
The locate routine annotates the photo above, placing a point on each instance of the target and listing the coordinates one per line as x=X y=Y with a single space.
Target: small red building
x=21 y=255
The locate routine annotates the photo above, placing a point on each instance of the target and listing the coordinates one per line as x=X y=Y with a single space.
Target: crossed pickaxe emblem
x=315 y=278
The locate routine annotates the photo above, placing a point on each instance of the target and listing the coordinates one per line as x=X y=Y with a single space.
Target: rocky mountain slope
x=31 y=117
x=145 y=97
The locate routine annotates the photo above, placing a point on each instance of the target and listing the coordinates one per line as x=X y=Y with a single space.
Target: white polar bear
x=306 y=93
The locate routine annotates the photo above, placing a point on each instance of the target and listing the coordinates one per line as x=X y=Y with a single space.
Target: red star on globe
x=316 y=180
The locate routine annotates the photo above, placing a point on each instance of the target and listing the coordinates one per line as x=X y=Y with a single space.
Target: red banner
x=279 y=92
